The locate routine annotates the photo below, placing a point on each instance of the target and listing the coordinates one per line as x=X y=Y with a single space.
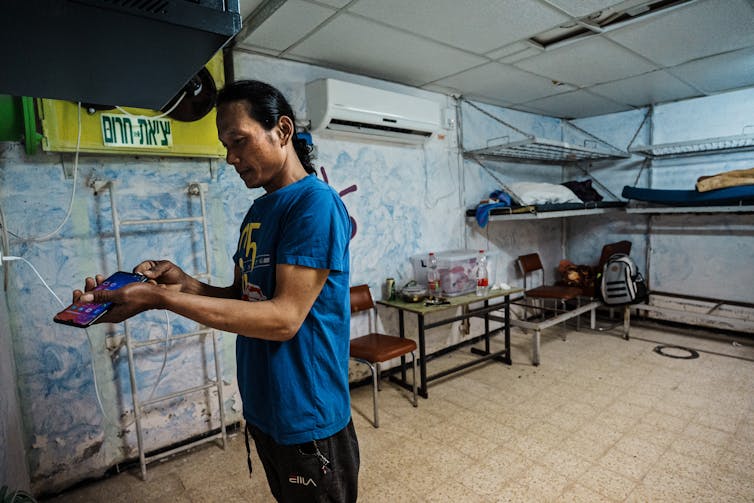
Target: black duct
x=137 y=53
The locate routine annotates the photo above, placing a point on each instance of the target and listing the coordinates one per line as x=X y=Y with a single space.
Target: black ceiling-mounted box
x=136 y=53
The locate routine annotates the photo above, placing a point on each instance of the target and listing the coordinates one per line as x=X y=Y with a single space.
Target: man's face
x=256 y=153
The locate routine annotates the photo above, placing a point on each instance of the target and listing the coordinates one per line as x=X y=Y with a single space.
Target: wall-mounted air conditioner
x=336 y=106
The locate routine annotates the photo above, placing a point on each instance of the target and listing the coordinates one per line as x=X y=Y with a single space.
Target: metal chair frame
x=375 y=348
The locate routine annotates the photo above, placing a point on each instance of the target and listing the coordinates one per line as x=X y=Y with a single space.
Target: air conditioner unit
x=336 y=106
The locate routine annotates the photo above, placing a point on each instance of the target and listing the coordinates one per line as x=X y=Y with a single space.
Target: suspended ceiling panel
x=582 y=8
x=576 y=104
x=657 y=50
x=335 y=3
x=514 y=52
x=737 y=69
x=284 y=27
x=699 y=30
x=591 y=61
x=485 y=82
x=471 y=25
x=653 y=87
x=383 y=52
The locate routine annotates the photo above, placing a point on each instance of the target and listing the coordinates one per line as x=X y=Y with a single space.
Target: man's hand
x=165 y=273
x=127 y=301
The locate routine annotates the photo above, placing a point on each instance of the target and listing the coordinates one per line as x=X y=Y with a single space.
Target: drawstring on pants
x=248 y=448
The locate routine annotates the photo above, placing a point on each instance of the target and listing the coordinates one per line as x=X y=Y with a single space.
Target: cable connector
x=7 y=258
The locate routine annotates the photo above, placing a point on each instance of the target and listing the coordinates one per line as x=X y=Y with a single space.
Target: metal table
x=470 y=308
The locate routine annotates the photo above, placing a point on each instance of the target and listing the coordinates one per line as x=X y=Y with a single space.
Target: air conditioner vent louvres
x=341 y=107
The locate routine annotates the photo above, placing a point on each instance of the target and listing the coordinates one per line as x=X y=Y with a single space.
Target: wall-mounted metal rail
x=722 y=144
x=139 y=405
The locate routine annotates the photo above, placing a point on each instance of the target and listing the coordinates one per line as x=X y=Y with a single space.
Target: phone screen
x=84 y=314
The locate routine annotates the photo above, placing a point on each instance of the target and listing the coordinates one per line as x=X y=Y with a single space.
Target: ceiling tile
x=371 y=49
x=335 y=3
x=287 y=24
x=525 y=54
x=576 y=104
x=581 y=8
x=478 y=26
x=503 y=83
x=509 y=50
x=693 y=31
x=725 y=72
x=246 y=7
x=590 y=61
x=653 y=87
x=262 y=50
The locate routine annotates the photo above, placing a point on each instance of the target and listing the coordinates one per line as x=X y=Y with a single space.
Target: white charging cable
x=9 y=258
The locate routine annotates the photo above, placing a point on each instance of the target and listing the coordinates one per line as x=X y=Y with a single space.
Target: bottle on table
x=482 y=275
x=433 y=277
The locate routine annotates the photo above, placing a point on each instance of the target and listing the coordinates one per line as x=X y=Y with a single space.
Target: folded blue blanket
x=498 y=199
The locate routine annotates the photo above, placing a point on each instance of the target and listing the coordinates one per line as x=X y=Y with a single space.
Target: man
x=289 y=302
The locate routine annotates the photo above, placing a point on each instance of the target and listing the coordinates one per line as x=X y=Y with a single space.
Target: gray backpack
x=621 y=282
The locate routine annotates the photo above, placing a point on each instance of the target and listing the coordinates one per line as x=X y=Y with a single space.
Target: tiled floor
x=601 y=419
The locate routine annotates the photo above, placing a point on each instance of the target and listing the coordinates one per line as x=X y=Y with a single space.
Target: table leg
x=402 y=333
x=422 y=359
x=507 y=311
x=486 y=328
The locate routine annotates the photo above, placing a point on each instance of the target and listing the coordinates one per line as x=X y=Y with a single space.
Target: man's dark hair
x=266 y=105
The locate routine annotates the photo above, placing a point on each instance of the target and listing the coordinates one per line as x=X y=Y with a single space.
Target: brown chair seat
x=380 y=347
x=375 y=348
x=554 y=292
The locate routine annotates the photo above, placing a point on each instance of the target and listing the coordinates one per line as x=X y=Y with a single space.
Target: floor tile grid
x=601 y=419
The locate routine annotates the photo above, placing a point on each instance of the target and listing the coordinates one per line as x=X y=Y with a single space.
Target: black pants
x=325 y=470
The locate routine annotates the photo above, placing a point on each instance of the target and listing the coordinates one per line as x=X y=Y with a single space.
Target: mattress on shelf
x=678 y=197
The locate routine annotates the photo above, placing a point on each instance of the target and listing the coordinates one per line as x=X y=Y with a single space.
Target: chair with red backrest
x=530 y=264
x=375 y=348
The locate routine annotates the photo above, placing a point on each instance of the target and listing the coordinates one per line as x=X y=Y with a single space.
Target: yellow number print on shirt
x=246 y=262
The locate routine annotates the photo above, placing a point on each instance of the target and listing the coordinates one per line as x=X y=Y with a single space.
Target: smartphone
x=84 y=314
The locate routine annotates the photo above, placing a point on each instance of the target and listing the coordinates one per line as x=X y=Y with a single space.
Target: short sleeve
x=316 y=231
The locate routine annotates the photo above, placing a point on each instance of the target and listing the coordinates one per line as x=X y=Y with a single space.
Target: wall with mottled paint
x=13 y=470
x=693 y=254
x=66 y=435
x=404 y=200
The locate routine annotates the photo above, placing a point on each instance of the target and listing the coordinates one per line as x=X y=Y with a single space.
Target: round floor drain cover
x=676 y=352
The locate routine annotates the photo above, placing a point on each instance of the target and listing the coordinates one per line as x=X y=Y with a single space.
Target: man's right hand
x=164 y=273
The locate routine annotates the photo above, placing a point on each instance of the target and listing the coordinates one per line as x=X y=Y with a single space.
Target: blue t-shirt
x=297 y=390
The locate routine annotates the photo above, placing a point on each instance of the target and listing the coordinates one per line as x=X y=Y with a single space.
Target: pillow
x=541 y=193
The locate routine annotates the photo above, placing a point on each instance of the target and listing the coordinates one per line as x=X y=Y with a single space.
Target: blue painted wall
x=404 y=200
x=694 y=254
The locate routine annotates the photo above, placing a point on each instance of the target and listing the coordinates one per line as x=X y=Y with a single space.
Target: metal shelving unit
x=657 y=210
x=722 y=144
x=544 y=151
x=706 y=146
x=521 y=146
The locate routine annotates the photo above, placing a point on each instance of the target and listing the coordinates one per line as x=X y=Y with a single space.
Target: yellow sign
x=135 y=131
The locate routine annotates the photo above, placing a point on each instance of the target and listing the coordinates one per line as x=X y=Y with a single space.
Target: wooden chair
x=529 y=265
x=375 y=348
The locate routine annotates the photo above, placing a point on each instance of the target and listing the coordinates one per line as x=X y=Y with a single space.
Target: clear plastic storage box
x=457 y=270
